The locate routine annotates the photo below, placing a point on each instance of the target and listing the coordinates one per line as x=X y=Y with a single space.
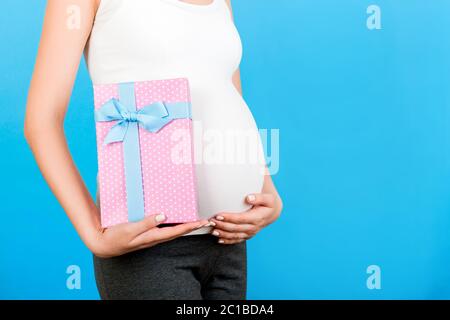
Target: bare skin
x=57 y=63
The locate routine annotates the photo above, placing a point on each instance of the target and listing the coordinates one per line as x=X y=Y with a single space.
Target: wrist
x=92 y=232
x=93 y=239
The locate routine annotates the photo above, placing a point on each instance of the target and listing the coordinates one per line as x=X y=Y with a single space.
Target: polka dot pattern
x=166 y=159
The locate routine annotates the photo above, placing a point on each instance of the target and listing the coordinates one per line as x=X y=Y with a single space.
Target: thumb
x=261 y=199
x=148 y=223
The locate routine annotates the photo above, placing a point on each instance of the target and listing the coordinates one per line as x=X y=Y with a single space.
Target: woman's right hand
x=132 y=236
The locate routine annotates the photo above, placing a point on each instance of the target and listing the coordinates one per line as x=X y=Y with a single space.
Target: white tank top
x=140 y=40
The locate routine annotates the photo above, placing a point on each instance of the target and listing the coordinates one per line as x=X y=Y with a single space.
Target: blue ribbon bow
x=152 y=118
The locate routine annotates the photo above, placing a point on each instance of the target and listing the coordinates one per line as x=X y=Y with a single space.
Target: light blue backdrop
x=364 y=119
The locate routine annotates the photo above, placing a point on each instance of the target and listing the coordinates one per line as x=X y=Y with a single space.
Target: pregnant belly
x=228 y=151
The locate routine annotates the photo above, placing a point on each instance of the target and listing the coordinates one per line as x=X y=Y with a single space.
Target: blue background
x=364 y=119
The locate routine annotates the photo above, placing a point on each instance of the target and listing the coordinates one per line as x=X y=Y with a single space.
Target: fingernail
x=216 y=233
x=208 y=224
x=251 y=197
x=220 y=218
x=160 y=218
x=221 y=241
x=212 y=223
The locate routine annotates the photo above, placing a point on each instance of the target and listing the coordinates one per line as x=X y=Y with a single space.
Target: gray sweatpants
x=190 y=267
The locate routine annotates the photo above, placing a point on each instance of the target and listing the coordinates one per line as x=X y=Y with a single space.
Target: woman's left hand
x=233 y=228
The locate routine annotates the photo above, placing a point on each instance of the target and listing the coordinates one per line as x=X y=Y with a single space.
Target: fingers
x=230 y=233
x=158 y=235
x=233 y=228
x=251 y=216
x=261 y=199
x=150 y=222
x=247 y=217
x=249 y=229
x=170 y=233
x=227 y=241
x=225 y=235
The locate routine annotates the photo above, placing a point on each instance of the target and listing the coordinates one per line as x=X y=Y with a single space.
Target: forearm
x=57 y=62
x=48 y=144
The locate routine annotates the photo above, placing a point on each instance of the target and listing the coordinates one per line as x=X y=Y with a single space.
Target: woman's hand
x=128 y=237
x=233 y=228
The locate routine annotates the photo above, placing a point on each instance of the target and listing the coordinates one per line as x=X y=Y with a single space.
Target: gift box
x=145 y=151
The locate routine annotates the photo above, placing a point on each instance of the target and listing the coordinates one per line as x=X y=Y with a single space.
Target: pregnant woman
x=142 y=40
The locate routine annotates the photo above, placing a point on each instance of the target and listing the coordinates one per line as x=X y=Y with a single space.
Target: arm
x=56 y=67
x=237 y=75
x=267 y=205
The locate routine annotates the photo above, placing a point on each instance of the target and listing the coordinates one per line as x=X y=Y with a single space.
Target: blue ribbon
x=152 y=118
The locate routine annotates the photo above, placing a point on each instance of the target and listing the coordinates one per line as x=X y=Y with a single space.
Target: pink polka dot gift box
x=145 y=151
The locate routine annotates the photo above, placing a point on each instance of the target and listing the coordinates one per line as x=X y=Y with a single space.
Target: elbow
x=31 y=127
x=36 y=125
